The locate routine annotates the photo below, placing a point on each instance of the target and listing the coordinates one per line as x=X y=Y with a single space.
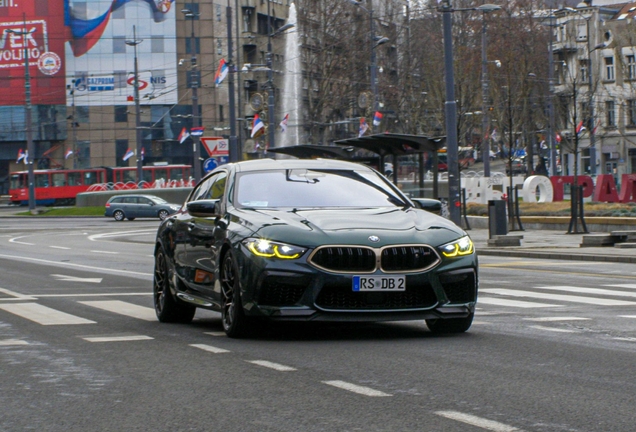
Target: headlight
x=461 y=247
x=269 y=249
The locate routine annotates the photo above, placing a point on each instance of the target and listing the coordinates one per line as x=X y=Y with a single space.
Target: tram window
x=176 y=174
x=42 y=180
x=74 y=179
x=147 y=176
x=161 y=174
x=59 y=179
x=90 y=177
x=129 y=176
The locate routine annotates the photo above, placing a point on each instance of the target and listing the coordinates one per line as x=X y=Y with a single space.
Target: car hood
x=313 y=227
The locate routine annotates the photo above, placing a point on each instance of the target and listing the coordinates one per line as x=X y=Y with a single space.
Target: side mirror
x=204 y=208
x=428 y=204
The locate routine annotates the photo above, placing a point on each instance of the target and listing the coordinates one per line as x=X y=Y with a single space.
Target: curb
x=557 y=255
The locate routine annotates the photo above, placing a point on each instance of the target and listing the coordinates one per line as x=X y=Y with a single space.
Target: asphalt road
x=552 y=349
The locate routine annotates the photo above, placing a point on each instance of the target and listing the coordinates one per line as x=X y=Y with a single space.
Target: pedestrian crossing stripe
x=43 y=315
x=512 y=303
x=582 y=290
x=559 y=297
x=124 y=308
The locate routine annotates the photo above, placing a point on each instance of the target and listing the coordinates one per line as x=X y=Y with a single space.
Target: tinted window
x=309 y=188
x=211 y=188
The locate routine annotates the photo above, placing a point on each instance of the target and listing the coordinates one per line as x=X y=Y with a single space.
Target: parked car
x=518 y=166
x=311 y=240
x=130 y=207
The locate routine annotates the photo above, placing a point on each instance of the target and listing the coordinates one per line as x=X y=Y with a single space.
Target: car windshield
x=158 y=200
x=302 y=188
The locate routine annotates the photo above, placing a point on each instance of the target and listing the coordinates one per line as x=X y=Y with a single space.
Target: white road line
x=477 y=421
x=93 y=295
x=622 y=285
x=117 y=338
x=15 y=240
x=61 y=264
x=549 y=319
x=124 y=308
x=60 y=247
x=552 y=329
x=105 y=252
x=628 y=339
x=627 y=316
x=12 y=342
x=512 y=303
x=210 y=348
x=559 y=297
x=15 y=295
x=366 y=391
x=43 y=315
x=215 y=333
x=582 y=290
x=95 y=237
x=271 y=365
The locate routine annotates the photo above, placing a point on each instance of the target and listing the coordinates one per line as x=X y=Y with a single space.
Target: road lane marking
x=627 y=339
x=15 y=240
x=366 y=391
x=67 y=278
x=117 y=338
x=92 y=295
x=549 y=319
x=479 y=422
x=215 y=333
x=60 y=247
x=210 y=348
x=12 y=342
x=552 y=329
x=567 y=298
x=512 y=303
x=271 y=365
x=15 y=296
x=582 y=290
x=43 y=315
x=124 y=308
x=96 y=237
x=105 y=252
x=63 y=264
x=627 y=316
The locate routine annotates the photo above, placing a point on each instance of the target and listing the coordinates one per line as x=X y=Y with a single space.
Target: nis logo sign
x=32 y=36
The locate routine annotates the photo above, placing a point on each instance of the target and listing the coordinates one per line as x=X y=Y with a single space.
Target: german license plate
x=379 y=283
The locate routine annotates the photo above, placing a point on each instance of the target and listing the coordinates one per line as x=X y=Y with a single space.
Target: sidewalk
x=551 y=244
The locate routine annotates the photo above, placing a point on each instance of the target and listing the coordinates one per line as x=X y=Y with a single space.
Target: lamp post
x=134 y=42
x=27 y=118
x=485 y=144
x=194 y=87
x=233 y=150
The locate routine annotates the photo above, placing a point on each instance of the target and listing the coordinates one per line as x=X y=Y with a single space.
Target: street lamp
x=375 y=42
x=270 y=75
x=485 y=145
x=134 y=42
x=194 y=86
x=27 y=118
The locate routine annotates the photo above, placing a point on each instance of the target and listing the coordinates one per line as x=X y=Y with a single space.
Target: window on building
x=609 y=68
x=610 y=111
x=121 y=113
x=584 y=70
x=631 y=67
x=581 y=32
x=121 y=147
x=194 y=8
x=631 y=112
x=221 y=117
x=197 y=45
x=119 y=45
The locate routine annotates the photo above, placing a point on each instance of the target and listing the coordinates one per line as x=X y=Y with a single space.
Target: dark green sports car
x=311 y=240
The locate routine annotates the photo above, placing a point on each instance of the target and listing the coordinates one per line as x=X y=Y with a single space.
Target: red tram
x=61 y=186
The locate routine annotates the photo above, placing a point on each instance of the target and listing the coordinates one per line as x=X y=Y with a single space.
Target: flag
x=21 y=155
x=68 y=153
x=221 y=72
x=258 y=127
x=598 y=123
x=283 y=124
x=580 y=128
x=143 y=153
x=377 y=118
x=493 y=135
x=26 y=157
x=363 y=126
x=183 y=135
x=197 y=131
x=128 y=155
x=557 y=138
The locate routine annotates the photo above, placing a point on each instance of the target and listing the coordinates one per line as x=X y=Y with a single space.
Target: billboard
x=36 y=27
x=100 y=53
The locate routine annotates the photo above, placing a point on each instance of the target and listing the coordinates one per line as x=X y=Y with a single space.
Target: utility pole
x=134 y=43
x=234 y=156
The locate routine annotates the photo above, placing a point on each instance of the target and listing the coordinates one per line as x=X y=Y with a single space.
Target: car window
x=212 y=188
x=315 y=188
x=142 y=200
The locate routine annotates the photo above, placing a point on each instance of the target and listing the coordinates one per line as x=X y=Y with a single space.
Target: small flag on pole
x=580 y=128
x=197 y=131
x=557 y=138
x=258 y=127
x=598 y=123
x=21 y=156
x=183 y=135
x=221 y=72
x=283 y=124
x=143 y=153
x=493 y=135
x=363 y=126
x=68 y=153
x=377 y=118
x=128 y=155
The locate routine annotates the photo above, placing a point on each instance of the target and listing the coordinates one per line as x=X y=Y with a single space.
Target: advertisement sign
x=38 y=28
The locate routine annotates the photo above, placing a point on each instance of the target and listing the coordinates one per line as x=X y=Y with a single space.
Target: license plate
x=379 y=283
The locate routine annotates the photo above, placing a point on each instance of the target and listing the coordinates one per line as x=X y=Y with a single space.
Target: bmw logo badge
x=374 y=239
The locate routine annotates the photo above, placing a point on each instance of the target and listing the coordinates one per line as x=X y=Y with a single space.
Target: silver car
x=130 y=207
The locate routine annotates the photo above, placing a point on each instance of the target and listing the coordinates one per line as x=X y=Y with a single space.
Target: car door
x=145 y=207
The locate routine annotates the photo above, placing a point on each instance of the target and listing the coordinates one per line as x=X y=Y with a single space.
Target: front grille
x=281 y=291
x=342 y=297
x=408 y=258
x=460 y=287
x=343 y=258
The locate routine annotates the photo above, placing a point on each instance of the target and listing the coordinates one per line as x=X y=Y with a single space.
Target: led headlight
x=269 y=249
x=461 y=247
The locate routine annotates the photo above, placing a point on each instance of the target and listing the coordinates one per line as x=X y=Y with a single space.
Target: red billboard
x=37 y=28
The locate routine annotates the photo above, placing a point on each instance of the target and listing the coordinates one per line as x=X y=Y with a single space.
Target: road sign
x=211 y=163
x=216 y=146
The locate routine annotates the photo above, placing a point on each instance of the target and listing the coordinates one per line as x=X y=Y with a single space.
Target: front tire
x=235 y=323
x=451 y=325
x=167 y=308
x=163 y=214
